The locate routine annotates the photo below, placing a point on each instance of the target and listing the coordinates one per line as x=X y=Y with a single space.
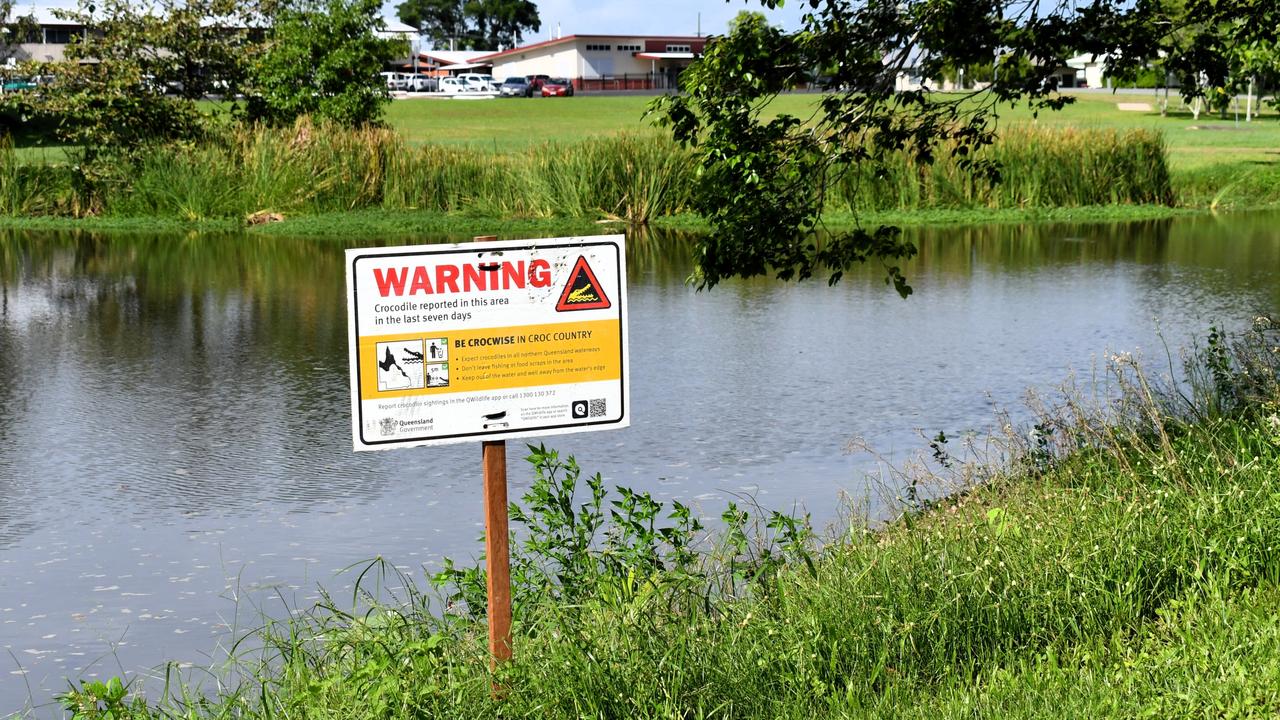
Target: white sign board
x=487 y=340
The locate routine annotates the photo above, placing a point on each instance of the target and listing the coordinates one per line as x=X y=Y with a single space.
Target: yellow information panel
x=488 y=340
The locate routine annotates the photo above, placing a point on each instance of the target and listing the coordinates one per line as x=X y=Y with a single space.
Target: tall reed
x=1039 y=168
x=33 y=189
x=308 y=169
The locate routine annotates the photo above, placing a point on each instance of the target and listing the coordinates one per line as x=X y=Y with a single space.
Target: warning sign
x=478 y=341
x=583 y=291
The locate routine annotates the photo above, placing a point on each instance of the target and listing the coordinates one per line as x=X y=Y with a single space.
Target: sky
x=646 y=17
x=617 y=17
x=653 y=17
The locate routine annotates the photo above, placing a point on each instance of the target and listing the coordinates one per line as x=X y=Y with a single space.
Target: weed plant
x=1121 y=561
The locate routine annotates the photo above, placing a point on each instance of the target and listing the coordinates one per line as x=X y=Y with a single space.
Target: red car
x=557 y=86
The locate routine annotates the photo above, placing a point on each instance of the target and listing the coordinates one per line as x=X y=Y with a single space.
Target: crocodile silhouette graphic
x=583 y=294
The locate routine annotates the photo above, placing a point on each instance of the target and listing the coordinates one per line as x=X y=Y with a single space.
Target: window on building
x=629 y=48
x=678 y=48
x=58 y=36
x=598 y=48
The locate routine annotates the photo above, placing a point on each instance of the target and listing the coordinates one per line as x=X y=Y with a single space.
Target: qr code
x=583 y=409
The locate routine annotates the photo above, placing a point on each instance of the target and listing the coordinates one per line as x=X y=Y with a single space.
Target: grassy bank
x=1120 y=561
x=307 y=170
x=407 y=224
x=563 y=164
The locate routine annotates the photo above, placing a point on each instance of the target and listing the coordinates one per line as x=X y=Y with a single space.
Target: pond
x=175 y=440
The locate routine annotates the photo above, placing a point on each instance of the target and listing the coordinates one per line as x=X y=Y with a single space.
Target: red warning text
x=477 y=277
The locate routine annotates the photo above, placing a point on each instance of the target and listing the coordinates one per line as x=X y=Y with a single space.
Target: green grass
x=514 y=124
x=403 y=224
x=460 y=167
x=518 y=123
x=314 y=170
x=1122 y=563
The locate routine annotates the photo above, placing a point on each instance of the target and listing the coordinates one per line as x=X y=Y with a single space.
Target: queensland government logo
x=387 y=426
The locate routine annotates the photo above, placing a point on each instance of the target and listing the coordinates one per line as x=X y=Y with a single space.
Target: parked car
x=455 y=86
x=482 y=83
x=423 y=83
x=19 y=84
x=557 y=87
x=515 y=87
x=536 y=82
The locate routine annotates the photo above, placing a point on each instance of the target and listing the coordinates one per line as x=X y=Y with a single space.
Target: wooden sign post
x=497 y=551
x=497 y=538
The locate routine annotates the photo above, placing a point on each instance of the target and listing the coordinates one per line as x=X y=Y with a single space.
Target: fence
x=627 y=81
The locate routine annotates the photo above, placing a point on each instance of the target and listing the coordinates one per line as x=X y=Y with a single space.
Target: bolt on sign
x=487 y=340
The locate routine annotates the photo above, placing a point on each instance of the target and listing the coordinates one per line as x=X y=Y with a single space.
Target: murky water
x=175 y=442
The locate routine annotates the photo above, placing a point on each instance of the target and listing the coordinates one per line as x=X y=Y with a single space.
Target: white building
x=1091 y=66
x=602 y=62
x=45 y=37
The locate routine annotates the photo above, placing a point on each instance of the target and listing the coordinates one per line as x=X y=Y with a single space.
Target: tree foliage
x=140 y=75
x=442 y=21
x=502 y=23
x=747 y=17
x=1214 y=49
x=321 y=58
x=763 y=175
x=472 y=24
x=134 y=78
x=17 y=26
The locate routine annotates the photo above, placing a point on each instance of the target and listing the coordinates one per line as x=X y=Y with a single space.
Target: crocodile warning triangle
x=583 y=291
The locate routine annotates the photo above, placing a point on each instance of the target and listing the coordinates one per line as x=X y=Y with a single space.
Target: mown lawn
x=516 y=123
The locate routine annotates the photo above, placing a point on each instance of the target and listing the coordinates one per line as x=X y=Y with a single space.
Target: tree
x=763 y=176
x=321 y=58
x=502 y=23
x=133 y=78
x=15 y=29
x=746 y=17
x=1215 y=48
x=472 y=24
x=442 y=21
